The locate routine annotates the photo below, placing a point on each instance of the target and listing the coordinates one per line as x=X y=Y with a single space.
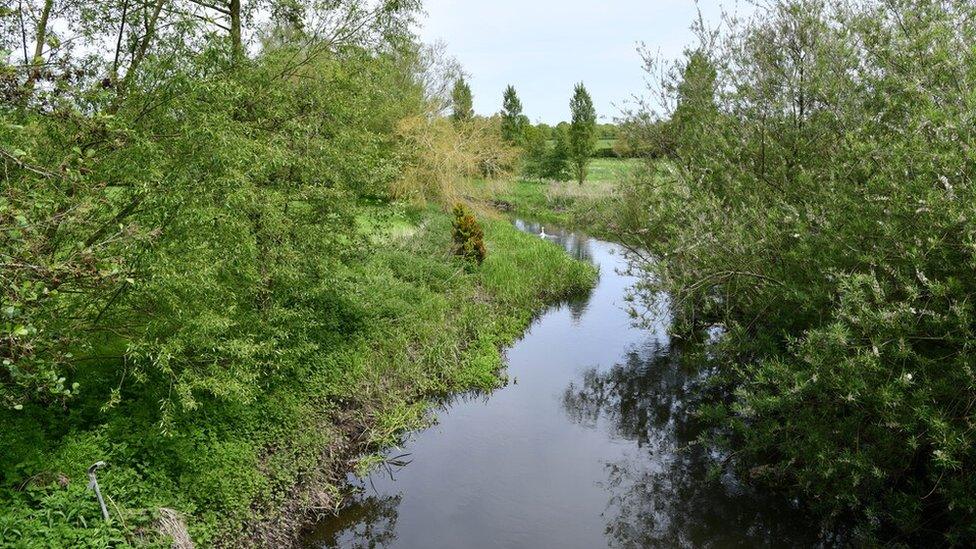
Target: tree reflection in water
x=662 y=495
x=365 y=522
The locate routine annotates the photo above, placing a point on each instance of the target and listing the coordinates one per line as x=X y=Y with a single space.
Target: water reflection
x=364 y=522
x=593 y=446
x=665 y=494
x=637 y=398
x=576 y=244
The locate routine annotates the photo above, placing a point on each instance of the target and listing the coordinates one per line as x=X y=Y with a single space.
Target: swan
x=543 y=233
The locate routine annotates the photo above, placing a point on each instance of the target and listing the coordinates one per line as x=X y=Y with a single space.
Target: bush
x=438 y=153
x=820 y=209
x=469 y=240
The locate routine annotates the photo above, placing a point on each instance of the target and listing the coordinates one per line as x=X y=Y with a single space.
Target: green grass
x=420 y=323
x=565 y=203
x=605 y=144
x=612 y=170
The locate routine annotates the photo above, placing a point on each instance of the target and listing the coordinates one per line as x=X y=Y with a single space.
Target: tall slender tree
x=582 y=132
x=513 y=121
x=462 y=101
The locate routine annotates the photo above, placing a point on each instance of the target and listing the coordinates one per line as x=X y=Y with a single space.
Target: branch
x=118 y=42
x=208 y=5
x=25 y=166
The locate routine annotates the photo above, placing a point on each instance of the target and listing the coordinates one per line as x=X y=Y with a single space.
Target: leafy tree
x=461 y=101
x=513 y=121
x=100 y=214
x=536 y=147
x=820 y=212
x=557 y=161
x=582 y=132
x=695 y=115
x=437 y=153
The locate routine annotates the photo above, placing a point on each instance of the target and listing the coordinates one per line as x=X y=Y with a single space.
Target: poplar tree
x=582 y=132
x=513 y=121
x=462 y=101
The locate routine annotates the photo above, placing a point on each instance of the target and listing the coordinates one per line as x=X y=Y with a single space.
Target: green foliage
x=593 y=207
x=413 y=327
x=819 y=210
x=140 y=264
x=542 y=160
x=582 y=132
x=196 y=283
x=556 y=165
x=536 y=150
x=643 y=136
x=513 y=121
x=462 y=101
x=696 y=113
x=469 y=238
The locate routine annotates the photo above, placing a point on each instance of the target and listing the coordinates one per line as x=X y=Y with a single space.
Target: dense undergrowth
x=417 y=323
x=205 y=282
x=819 y=210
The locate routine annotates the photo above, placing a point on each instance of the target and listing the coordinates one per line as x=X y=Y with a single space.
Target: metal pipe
x=93 y=485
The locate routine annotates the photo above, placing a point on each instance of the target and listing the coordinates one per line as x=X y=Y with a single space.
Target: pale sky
x=543 y=47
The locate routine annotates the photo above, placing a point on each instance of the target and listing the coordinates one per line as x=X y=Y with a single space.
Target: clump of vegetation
x=196 y=281
x=564 y=151
x=594 y=207
x=542 y=161
x=819 y=208
x=582 y=132
x=469 y=238
x=462 y=102
x=514 y=123
x=438 y=154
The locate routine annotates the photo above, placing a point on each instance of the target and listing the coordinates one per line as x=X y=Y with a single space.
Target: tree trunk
x=118 y=44
x=144 y=44
x=35 y=73
x=237 y=48
x=23 y=31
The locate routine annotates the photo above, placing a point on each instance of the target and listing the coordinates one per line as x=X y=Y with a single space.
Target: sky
x=544 y=47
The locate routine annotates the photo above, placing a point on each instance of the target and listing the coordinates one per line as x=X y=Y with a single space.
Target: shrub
x=438 y=153
x=820 y=210
x=469 y=238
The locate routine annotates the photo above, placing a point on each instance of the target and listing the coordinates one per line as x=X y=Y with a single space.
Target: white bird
x=543 y=233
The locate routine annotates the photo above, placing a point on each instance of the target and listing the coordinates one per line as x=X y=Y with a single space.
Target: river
x=590 y=445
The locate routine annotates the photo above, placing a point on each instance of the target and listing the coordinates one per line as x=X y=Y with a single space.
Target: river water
x=590 y=445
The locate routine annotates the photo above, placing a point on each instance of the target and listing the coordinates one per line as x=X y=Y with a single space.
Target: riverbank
x=567 y=204
x=599 y=426
x=424 y=324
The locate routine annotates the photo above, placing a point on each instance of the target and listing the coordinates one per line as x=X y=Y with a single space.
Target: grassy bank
x=565 y=203
x=418 y=323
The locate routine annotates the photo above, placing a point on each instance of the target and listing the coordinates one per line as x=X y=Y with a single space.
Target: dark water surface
x=589 y=446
